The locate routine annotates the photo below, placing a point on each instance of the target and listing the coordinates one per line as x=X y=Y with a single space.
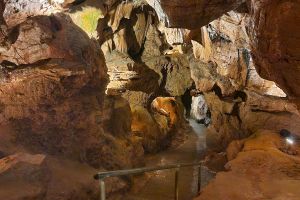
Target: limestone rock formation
x=53 y=103
x=274 y=31
x=261 y=169
x=94 y=85
x=45 y=177
x=16 y=12
x=193 y=13
x=159 y=126
x=199 y=110
x=240 y=101
x=226 y=67
x=135 y=46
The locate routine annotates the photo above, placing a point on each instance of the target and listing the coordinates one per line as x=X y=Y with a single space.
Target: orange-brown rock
x=16 y=12
x=274 y=32
x=234 y=148
x=148 y=130
x=167 y=106
x=53 y=81
x=37 y=176
x=192 y=13
x=261 y=170
x=157 y=128
x=142 y=69
x=226 y=68
x=44 y=37
x=266 y=112
x=51 y=106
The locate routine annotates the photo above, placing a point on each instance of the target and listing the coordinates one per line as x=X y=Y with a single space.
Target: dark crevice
x=8 y=65
x=186 y=99
x=271 y=112
x=289 y=89
x=13 y=34
x=243 y=8
x=55 y=24
x=77 y=2
x=240 y=94
x=217 y=91
x=2 y=155
x=236 y=112
x=161 y=91
x=216 y=36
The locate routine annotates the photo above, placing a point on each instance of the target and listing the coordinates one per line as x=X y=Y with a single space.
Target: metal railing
x=101 y=176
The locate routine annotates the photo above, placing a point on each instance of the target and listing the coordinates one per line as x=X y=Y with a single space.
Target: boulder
x=193 y=14
x=274 y=30
x=37 y=176
x=261 y=170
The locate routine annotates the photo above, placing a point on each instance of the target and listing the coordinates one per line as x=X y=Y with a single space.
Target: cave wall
x=193 y=13
x=77 y=83
x=58 y=127
x=274 y=31
x=237 y=60
x=240 y=101
x=61 y=114
x=273 y=28
x=221 y=57
x=143 y=71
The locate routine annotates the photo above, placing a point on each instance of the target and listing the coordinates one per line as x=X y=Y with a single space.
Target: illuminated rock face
x=274 y=31
x=261 y=168
x=221 y=63
x=53 y=105
x=53 y=101
x=144 y=68
x=159 y=126
x=192 y=13
x=240 y=101
x=56 y=120
x=199 y=109
x=273 y=28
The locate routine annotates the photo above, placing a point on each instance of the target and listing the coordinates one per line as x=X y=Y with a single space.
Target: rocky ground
x=261 y=166
x=234 y=54
x=95 y=85
x=60 y=120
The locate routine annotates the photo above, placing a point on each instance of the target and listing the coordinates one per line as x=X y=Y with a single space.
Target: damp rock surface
x=89 y=86
x=261 y=168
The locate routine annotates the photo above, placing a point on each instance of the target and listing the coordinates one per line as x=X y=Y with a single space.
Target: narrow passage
x=161 y=185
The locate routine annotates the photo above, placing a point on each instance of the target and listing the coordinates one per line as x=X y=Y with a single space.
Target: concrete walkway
x=161 y=185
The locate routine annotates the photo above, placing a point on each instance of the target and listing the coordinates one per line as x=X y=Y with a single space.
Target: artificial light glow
x=289 y=140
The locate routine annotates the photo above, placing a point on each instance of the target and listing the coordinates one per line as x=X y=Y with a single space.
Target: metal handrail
x=103 y=175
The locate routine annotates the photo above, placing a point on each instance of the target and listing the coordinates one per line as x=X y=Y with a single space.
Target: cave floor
x=160 y=185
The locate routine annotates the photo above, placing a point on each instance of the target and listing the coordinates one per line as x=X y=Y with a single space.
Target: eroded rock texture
x=192 y=13
x=243 y=104
x=58 y=127
x=199 y=110
x=261 y=169
x=142 y=71
x=240 y=101
x=68 y=110
x=274 y=31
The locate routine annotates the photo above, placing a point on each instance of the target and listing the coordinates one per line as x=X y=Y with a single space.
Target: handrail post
x=102 y=189
x=176 y=183
x=199 y=178
x=100 y=176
